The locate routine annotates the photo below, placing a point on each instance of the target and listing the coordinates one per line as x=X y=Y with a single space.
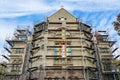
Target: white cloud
x=7 y=28
x=103 y=22
x=15 y=8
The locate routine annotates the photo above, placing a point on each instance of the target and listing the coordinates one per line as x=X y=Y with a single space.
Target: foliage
x=116 y=24
x=117 y=62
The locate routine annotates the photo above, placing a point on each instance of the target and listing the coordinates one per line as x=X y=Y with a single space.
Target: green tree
x=116 y=24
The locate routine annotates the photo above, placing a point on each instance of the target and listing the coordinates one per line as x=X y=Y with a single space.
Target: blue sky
x=13 y=13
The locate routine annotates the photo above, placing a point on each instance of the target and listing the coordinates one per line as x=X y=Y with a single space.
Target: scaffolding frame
x=102 y=37
x=89 y=36
x=19 y=36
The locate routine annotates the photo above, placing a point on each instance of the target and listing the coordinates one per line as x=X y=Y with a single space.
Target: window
x=62 y=19
x=14 y=67
x=59 y=18
x=104 y=50
x=107 y=66
x=65 y=18
x=22 y=50
x=19 y=50
x=63 y=61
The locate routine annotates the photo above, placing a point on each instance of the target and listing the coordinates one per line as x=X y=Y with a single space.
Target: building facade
x=17 y=46
x=61 y=48
x=107 y=62
x=3 y=70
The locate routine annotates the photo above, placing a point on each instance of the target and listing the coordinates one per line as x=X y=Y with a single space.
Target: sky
x=22 y=13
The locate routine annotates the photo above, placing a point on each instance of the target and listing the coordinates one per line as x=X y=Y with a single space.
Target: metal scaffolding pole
x=83 y=59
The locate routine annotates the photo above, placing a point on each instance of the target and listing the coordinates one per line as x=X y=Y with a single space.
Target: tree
x=116 y=24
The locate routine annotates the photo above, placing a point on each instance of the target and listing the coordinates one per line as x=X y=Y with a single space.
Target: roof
x=62 y=13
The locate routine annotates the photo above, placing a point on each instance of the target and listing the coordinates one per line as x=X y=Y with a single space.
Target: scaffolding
x=62 y=44
x=3 y=68
x=108 y=66
x=60 y=49
x=88 y=38
x=16 y=62
x=34 y=56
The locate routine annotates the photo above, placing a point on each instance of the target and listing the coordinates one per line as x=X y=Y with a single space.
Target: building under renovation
x=61 y=48
x=2 y=71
